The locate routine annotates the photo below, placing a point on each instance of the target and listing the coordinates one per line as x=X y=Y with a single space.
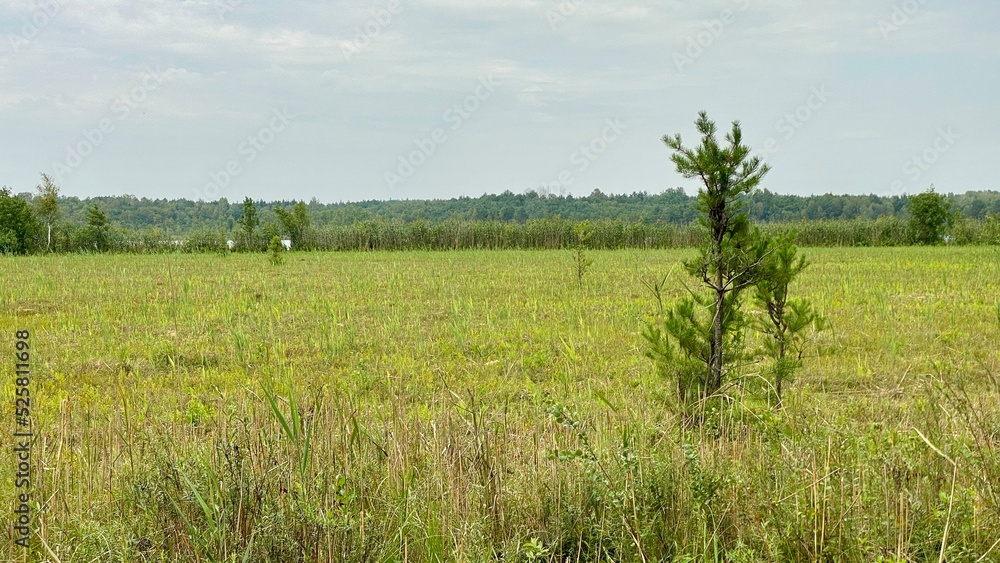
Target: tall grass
x=469 y=406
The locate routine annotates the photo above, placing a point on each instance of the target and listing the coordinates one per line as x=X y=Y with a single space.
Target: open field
x=470 y=406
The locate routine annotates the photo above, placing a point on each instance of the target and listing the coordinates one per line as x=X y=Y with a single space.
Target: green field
x=482 y=406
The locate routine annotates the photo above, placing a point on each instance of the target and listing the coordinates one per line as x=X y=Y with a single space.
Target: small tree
x=301 y=213
x=276 y=251
x=99 y=226
x=786 y=319
x=248 y=224
x=582 y=232
x=930 y=216
x=295 y=222
x=47 y=205
x=729 y=261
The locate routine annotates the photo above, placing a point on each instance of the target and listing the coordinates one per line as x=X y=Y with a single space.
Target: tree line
x=45 y=221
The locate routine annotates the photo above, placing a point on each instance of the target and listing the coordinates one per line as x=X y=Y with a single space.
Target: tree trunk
x=48 y=244
x=715 y=379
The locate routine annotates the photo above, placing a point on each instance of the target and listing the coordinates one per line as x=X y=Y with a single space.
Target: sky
x=418 y=99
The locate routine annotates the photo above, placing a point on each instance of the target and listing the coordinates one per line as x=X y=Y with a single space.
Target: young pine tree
x=690 y=346
x=786 y=319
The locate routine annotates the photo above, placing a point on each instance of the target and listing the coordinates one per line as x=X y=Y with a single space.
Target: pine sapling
x=786 y=318
x=707 y=325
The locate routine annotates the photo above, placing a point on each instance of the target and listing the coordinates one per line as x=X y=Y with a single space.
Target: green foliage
x=682 y=345
x=705 y=486
x=702 y=336
x=47 y=206
x=297 y=429
x=296 y=223
x=276 y=251
x=97 y=218
x=535 y=550
x=786 y=319
x=247 y=224
x=729 y=260
x=656 y=287
x=638 y=220
x=98 y=231
x=19 y=228
x=602 y=474
x=271 y=230
x=930 y=216
x=206 y=240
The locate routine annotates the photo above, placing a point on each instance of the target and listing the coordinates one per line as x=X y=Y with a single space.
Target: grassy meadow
x=483 y=406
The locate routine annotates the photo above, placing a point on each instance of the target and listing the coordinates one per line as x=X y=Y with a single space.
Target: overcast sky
x=408 y=99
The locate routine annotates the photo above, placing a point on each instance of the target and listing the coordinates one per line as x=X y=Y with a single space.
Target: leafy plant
x=618 y=501
x=535 y=550
x=705 y=485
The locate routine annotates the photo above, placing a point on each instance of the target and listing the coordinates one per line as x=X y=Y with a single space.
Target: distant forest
x=180 y=217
